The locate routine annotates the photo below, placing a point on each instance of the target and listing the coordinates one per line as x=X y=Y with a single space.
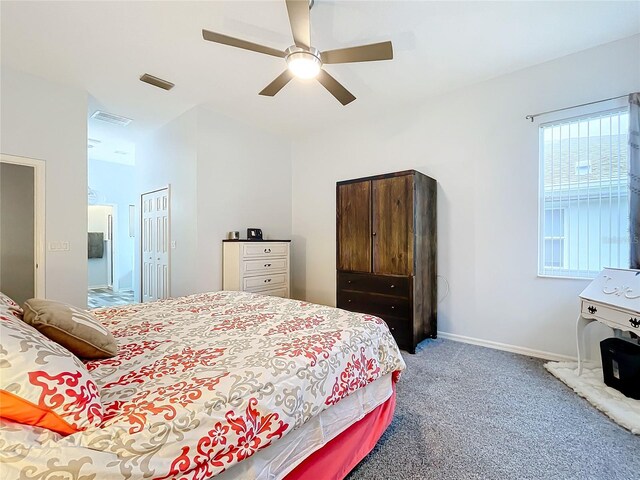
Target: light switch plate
x=59 y=246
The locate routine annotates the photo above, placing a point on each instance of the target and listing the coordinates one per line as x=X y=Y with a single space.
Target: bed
x=226 y=385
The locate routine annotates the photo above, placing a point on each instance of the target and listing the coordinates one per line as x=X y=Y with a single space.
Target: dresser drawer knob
x=267 y=250
x=393 y=329
x=267 y=264
x=348 y=281
x=267 y=280
x=349 y=301
x=592 y=309
x=393 y=286
x=393 y=307
x=635 y=322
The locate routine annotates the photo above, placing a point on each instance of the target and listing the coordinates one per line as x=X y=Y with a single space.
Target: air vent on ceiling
x=111 y=118
x=156 y=82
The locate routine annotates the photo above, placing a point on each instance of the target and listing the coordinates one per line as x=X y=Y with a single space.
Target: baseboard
x=529 y=352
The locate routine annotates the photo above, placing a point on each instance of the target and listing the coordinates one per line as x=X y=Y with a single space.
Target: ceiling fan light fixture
x=303 y=63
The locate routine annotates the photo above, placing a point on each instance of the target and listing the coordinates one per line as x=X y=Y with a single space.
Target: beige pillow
x=77 y=330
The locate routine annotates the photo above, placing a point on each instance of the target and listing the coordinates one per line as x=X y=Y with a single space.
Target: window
x=554 y=238
x=584 y=195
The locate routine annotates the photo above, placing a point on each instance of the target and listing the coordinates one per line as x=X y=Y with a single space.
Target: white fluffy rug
x=623 y=410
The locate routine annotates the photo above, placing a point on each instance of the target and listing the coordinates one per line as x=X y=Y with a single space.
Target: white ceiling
x=104 y=47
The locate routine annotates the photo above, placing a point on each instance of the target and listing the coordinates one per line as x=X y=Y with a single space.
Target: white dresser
x=612 y=298
x=260 y=266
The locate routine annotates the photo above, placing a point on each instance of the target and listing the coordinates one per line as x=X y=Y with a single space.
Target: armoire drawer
x=374 y=304
x=400 y=328
x=275 y=280
x=366 y=282
x=264 y=249
x=264 y=267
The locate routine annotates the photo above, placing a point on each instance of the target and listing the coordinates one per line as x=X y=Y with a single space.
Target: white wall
x=46 y=121
x=168 y=157
x=115 y=184
x=484 y=155
x=224 y=176
x=244 y=180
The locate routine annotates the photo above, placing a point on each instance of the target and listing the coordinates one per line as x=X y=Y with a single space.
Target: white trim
x=529 y=352
x=39 y=202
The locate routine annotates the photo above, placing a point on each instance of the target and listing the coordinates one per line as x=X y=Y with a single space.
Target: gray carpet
x=467 y=412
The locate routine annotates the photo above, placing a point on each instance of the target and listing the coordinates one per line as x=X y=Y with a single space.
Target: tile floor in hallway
x=105 y=297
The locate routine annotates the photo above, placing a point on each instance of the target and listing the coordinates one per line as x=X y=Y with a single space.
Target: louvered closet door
x=353 y=225
x=392 y=213
x=155 y=245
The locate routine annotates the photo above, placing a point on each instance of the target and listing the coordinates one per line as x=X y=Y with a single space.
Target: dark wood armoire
x=386 y=246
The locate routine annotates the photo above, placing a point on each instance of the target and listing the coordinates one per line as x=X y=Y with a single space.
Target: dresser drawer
x=264 y=267
x=374 y=304
x=264 y=249
x=610 y=315
x=384 y=284
x=274 y=292
x=263 y=281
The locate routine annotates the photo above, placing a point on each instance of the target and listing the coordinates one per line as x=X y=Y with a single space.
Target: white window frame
x=557 y=117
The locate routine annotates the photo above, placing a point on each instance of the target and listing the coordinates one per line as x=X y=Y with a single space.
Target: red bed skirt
x=340 y=455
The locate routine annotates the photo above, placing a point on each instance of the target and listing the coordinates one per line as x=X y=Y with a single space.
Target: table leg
x=580 y=326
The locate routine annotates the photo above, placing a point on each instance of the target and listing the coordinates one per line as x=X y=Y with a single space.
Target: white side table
x=612 y=298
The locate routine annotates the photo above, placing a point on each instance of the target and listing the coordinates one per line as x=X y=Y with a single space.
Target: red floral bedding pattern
x=43 y=383
x=203 y=382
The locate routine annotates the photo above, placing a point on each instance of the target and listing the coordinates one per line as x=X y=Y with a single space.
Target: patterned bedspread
x=204 y=381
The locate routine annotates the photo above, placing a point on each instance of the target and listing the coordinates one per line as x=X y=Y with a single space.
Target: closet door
x=353 y=226
x=392 y=203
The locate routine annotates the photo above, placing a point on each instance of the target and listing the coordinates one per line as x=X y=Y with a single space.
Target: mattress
x=204 y=383
x=276 y=461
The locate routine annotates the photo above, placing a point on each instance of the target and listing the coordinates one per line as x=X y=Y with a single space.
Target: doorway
x=155 y=258
x=22 y=228
x=102 y=250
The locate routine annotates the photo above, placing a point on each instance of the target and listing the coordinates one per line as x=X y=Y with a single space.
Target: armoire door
x=353 y=225
x=392 y=214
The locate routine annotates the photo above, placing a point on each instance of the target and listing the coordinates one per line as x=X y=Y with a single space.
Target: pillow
x=42 y=383
x=77 y=330
x=12 y=306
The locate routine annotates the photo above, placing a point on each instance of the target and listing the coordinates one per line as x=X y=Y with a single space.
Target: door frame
x=141 y=227
x=39 y=203
x=113 y=273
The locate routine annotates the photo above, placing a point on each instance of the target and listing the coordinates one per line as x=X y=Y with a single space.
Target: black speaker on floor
x=621 y=366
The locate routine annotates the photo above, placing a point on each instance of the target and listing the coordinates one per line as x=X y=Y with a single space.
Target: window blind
x=584 y=195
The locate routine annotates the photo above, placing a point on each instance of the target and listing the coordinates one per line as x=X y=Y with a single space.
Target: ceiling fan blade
x=275 y=86
x=343 y=95
x=363 y=53
x=236 y=42
x=300 y=24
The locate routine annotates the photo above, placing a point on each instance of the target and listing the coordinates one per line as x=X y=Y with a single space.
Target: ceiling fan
x=305 y=61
